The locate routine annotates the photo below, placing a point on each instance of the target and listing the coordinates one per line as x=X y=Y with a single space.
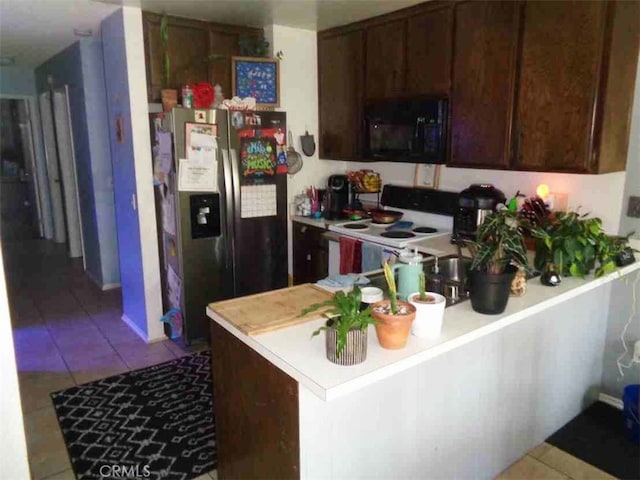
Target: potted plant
x=169 y=96
x=394 y=318
x=497 y=252
x=346 y=327
x=429 y=311
x=572 y=244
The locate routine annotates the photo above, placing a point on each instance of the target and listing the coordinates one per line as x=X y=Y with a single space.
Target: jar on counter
x=187 y=97
x=519 y=283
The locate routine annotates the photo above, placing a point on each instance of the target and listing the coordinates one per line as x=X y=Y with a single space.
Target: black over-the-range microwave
x=408 y=130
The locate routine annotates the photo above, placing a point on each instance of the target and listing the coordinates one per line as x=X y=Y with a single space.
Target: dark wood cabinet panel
x=616 y=100
x=188 y=48
x=191 y=43
x=484 y=70
x=428 y=54
x=255 y=410
x=561 y=53
x=340 y=70
x=385 y=60
x=310 y=254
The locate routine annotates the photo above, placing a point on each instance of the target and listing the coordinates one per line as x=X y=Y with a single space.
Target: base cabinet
x=310 y=254
x=255 y=411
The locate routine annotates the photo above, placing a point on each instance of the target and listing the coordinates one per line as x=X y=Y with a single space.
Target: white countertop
x=316 y=222
x=294 y=351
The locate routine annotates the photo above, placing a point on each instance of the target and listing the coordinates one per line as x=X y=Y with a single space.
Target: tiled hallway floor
x=66 y=332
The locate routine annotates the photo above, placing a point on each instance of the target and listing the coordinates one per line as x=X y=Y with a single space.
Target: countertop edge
x=350 y=386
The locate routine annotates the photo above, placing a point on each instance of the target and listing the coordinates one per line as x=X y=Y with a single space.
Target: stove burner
x=397 y=234
x=425 y=230
x=356 y=226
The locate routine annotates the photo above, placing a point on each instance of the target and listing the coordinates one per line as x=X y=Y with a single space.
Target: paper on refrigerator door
x=169 y=214
x=258 y=201
x=197 y=175
x=174 y=287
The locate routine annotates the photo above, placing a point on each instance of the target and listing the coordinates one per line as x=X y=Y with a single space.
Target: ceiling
x=34 y=30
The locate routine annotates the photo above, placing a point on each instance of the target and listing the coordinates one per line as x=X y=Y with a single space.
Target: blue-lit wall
x=17 y=80
x=124 y=175
x=80 y=67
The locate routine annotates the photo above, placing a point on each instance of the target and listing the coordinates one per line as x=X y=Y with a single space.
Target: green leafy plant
x=253 y=46
x=164 y=41
x=393 y=291
x=575 y=244
x=499 y=242
x=344 y=315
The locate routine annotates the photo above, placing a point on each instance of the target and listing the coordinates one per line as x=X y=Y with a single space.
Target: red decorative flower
x=202 y=95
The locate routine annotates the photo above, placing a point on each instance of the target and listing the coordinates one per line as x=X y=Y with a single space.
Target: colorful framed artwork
x=258 y=78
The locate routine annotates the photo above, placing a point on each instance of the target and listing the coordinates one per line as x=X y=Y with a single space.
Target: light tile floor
x=66 y=332
x=548 y=462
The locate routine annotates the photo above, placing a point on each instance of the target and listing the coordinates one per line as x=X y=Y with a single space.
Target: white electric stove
x=397 y=235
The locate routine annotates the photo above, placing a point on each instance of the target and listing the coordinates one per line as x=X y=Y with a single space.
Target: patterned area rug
x=151 y=423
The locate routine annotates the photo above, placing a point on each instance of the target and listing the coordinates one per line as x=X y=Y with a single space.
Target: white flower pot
x=428 y=321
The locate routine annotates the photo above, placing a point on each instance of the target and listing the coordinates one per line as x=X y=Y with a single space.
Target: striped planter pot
x=355 y=350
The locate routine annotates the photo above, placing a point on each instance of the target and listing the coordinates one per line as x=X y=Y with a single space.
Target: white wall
x=136 y=70
x=299 y=98
x=622 y=308
x=13 y=454
x=599 y=195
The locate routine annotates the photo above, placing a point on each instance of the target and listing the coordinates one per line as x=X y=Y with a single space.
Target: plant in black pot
x=346 y=327
x=497 y=252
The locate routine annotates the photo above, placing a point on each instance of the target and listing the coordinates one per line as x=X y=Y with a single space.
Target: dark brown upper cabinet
x=484 y=73
x=544 y=86
x=340 y=61
x=410 y=55
x=191 y=43
x=428 y=53
x=578 y=65
x=385 y=64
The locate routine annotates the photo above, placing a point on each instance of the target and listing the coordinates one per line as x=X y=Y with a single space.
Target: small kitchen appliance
x=409 y=267
x=474 y=204
x=336 y=197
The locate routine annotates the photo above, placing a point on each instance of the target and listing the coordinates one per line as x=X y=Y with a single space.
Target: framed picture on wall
x=258 y=78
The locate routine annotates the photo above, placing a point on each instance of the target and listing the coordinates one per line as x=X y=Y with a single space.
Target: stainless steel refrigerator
x=230 y=240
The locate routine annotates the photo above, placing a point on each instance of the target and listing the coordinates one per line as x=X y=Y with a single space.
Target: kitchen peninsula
x=465 y=405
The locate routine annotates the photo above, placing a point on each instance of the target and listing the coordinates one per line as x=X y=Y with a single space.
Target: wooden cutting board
x=269 y=311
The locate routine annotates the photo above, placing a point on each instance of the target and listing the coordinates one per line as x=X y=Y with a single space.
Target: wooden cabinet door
x=310 y=254
x=385 y=60
x=188 y=50
x=340 y=69
x=429 y=45
x=226 y=44
x=561 y=54
x=484 y=69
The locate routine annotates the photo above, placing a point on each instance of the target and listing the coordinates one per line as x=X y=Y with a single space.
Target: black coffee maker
x=474 y=203
x=336 y=197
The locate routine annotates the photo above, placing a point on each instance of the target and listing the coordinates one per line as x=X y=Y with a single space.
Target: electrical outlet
x=633 y=210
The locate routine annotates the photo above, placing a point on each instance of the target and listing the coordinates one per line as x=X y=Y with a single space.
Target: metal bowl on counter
x=385 y=216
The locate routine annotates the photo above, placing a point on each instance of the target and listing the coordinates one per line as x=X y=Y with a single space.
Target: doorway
x=20 y=205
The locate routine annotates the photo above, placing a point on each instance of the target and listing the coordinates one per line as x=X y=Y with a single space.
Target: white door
x=53 y=172
x=66 y=157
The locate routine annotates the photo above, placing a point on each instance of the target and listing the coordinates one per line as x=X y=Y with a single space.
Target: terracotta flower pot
x=169 y=99
x=393 y=330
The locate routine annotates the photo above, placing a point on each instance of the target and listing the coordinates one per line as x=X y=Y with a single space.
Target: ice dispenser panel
x=205 y=215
